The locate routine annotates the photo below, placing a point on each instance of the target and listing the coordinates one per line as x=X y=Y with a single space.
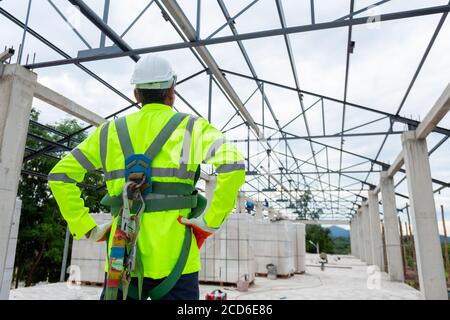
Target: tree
x=317 y=234
x=341 y=245
x=42 y=229
x=304 y=210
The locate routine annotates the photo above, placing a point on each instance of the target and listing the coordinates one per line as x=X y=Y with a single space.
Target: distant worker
x=151 y=163
x=323 y=259
x=249 y=206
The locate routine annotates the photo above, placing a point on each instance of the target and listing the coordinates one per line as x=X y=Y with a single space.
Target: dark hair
x=152 y=95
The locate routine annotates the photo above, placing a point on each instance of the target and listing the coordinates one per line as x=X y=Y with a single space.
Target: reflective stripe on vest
x=83 y=160
x=213 y=149
x=104 y=145
x=230 y=167
x=61 y=177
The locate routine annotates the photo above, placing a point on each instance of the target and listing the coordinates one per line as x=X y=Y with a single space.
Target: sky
x=384 y=60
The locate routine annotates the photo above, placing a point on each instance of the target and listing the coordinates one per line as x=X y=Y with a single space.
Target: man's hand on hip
x=99 y=233
x=199 y=227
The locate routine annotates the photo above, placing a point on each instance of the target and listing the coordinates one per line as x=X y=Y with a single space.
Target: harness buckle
x=138 y=171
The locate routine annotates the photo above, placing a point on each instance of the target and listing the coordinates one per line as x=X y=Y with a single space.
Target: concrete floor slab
x=346 y=278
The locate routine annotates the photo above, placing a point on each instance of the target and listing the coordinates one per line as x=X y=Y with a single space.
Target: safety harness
x=142 y=195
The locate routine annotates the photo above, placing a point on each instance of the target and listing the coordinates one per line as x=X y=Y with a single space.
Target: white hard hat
x=153 y=72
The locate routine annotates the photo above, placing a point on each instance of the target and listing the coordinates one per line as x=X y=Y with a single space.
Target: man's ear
x=170 y=99
x=137 y=96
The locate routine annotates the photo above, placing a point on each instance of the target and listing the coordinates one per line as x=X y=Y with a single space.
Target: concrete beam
x=376 y=240
x=17 y=86
x=431 y=120
x=430 y=265
x=65 y=104
x=396 y=166
x=435 y=115
x=391 y=228
x=326 y=222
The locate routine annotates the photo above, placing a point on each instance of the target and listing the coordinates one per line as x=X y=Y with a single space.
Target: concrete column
x=240 y=203
x=366 y=234
x=259 y=211
x=355 y=239
x=5 y=286
x=362 y=247
x=17 y=86
x=272 y=214
x=391 y=229
x=210 y=185
x=376 y=240
x=430 y=265
x=352 y=238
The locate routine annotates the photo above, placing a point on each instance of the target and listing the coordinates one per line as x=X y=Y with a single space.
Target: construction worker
x=175 y=144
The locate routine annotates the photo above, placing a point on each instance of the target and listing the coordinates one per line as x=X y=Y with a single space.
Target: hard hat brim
x=157 y=85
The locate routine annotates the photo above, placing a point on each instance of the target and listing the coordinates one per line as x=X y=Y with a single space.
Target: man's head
x=154 y=81
x=164 y=96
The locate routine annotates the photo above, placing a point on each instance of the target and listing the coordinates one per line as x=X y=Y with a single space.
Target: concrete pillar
x=376 y=240
x=5 y=286
x=240 y=203
x=259 y=211
x=210 y=185
x=272 y=214
x=362 y=247
x=391 y=229
x=17 y=86
x=355 y=239
x=366 y=234
x=352 y=238
x=430 y=265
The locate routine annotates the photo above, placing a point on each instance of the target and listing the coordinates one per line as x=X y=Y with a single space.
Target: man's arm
x=63 y=179
x=230 y=168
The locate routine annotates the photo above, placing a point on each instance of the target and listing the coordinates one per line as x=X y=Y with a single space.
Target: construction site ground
x=344 y=278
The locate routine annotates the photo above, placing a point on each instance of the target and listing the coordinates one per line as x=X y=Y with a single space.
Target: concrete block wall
x=274 y=244
x=227 y=256
x=242 y=247
x=90 y=257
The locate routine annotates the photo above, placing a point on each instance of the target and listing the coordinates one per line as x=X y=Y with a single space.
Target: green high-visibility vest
x=194 y=141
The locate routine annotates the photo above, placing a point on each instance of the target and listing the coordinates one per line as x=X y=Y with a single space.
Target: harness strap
x=172 y=199
x=163 y=288
x=166 y=202
x=181 y=173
